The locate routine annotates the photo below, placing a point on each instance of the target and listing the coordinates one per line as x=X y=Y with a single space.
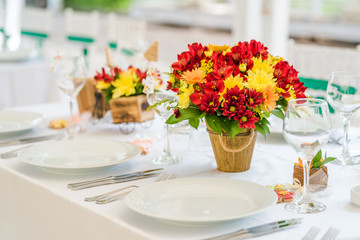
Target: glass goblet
x=343 y=94
x=165 y=100
x=70 y=77
x=306 y=129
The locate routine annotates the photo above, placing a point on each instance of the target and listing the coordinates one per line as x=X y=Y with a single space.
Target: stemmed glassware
x=70 y=77
x=164 y=100
x=343 y=94
x=306 y=129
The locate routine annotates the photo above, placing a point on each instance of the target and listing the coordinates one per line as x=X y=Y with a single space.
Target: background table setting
x=39 y=202
x=162 y=178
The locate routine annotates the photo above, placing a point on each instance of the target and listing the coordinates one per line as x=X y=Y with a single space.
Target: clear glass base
x=347 y=161
x=167 y=159
x=305 y=207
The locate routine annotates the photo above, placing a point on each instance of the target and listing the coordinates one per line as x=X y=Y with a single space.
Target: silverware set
x=114 y=179
x=30 y=140
x=330 y=234
x=110 y=197
x=259 y=230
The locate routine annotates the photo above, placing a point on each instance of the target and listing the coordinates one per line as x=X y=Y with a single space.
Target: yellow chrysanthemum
x=259 y=80
x=125 y=84
x=215 y=48
x=102 y=85
x=265 y=65
x=195 y=76
x=184 y=96
x=231 y=82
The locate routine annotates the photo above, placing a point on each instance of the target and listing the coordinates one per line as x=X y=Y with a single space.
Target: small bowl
x=355 y=195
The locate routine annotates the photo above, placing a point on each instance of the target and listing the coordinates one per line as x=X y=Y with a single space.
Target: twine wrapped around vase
x=233 y=154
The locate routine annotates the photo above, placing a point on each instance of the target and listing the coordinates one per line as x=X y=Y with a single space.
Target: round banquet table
x=36 y=204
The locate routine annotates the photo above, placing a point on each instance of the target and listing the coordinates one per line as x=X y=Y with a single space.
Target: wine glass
x=164 y=101
x=70 y=77
x=306 y=129
x=343 y=94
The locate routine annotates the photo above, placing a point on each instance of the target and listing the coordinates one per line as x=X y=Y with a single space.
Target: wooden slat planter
x=233 y=155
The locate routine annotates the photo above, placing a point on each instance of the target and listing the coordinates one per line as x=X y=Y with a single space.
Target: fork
x=311 y=234
x=107 y=198
x=331 y=234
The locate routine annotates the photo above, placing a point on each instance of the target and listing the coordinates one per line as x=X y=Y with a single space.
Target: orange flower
x=270 y=98
x=194 y=76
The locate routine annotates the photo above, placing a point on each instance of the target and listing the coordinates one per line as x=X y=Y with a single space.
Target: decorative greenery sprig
x=318 y=161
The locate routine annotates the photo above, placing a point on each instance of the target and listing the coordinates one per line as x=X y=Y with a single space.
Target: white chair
x=126 y=36
x=37 y=24
x=124 y=31
x=82 y=28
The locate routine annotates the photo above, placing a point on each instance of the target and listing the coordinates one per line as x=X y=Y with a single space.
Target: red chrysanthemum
x=234 y=102
x=253 y=98
x=246 y=119
x=209 y=103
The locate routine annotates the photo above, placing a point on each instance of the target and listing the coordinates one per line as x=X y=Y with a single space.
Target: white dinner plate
x=201 y=200
x=16 y=121
x=78 y=156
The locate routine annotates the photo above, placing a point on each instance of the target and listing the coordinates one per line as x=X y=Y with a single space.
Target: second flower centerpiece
x=235 y=89
x=123 y=90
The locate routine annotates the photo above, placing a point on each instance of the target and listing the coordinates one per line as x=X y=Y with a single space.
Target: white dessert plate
x=78 y=156
x=16 y=121
x=201 y=200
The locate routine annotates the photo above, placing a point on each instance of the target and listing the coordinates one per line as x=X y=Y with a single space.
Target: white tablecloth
x=26 y=83
x=36 y=204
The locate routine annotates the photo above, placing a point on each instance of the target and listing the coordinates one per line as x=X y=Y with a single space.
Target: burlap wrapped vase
x=233 y=154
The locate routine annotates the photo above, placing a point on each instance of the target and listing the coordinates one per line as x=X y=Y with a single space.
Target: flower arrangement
x=233 y=88
x=317 y=162
x=120 y=83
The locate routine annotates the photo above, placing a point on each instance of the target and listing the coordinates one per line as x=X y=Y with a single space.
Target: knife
x=259 y=230
x=113 y=178
x=29 y=140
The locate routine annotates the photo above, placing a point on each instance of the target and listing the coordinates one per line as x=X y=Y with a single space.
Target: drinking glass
x=164 y=101
x=70 y=77
x=306 y=129
x=343 y=94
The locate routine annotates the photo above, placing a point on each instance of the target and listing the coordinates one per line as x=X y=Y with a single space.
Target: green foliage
x=317 y=163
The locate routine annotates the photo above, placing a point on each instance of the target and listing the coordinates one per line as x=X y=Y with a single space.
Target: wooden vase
x=130 y=109
x=91 y=100
x=233 y=154
x=318 y=176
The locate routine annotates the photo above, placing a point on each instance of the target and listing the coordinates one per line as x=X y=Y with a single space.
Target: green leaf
x=316 y=163
x=260 y=129
x=329 y=159
x=278 y=113
x=194 y=122
x=185 y=114
x=214 y=123
x=235 y=129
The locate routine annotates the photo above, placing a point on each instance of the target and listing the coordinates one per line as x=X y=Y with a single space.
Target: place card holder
x=318 y=176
